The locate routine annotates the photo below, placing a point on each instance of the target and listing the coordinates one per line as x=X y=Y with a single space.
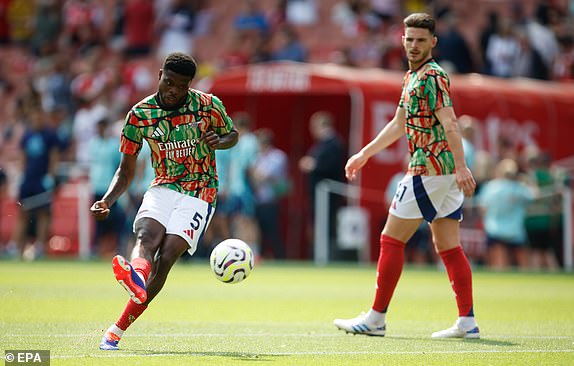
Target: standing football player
x=433 y=188
x=183 y=127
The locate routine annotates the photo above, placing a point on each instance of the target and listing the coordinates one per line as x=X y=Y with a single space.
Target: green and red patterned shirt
x=180 y=161
x=425 y=91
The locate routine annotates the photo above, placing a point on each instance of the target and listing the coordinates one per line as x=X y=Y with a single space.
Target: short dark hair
x=181 y=64
x=420 y=20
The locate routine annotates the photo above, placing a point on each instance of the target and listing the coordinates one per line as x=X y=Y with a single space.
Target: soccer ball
x=231 y=261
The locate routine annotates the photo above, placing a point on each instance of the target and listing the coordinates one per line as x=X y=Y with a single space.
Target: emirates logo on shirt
x=178 y=149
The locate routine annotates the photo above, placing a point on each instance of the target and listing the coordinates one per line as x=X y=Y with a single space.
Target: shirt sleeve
x=220 y=121
x=402 y=100
x=437 y=89
x=131 y=139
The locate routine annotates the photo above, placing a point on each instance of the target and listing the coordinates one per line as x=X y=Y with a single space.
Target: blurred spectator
x=342 y=57
x=139 y=35
x=324 y=160
x=503 y=50
x=355 y=17
x=238 y=51
x=342 y=15
x=542 y=39
x=52 y=80
x=40 y=149
x=485 y=34
x=47 y=27
x=83 y=22
x=452 y=50
x=262 y=51
x=87 y=89
x=503 y=201
x=251 y=20
x=105 y=156
x=326 y=157
x=176 y=29
x=301 y=12
x=270 y=183
x=530 y=63
x=544 y=219
x=288 y=47
x=468 y=125
x=61 y=121
x=386 y=9
x=367 y=50
x=563 y=69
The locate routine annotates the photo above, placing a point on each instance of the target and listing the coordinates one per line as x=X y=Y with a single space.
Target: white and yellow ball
x=231 y=261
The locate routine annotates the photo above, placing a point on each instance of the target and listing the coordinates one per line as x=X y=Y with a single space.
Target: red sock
x=131 y=312
x=460 y=277
x=389 y=268
x=141 y=266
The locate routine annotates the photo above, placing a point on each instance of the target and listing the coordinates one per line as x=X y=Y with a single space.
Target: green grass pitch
x=282 y=315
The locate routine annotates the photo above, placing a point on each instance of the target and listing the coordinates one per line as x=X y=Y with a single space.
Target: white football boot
x=360 y=325
x=468 y=331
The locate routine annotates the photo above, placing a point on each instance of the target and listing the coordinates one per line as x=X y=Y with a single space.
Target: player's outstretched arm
x=119 y=184
x=389 y=134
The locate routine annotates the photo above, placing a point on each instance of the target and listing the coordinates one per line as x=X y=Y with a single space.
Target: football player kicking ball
x=433 y=188
x=183 y=127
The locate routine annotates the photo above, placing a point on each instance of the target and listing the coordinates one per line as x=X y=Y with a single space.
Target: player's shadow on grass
x=238 y=356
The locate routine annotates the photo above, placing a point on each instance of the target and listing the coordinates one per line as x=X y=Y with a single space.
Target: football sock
x=460 y=276
x=114 y=330
x=389 y=268
x=376 y=318
x=131 y=312
x=142 y=268
x=466 y=323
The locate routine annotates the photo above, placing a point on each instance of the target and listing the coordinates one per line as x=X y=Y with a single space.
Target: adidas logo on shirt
x=158 y=133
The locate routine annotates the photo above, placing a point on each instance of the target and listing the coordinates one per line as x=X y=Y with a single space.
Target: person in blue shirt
x=289 y=46
x=40 y=148
x=504 y=201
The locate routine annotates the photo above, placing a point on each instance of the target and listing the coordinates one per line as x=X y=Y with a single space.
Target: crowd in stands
x=78 y=65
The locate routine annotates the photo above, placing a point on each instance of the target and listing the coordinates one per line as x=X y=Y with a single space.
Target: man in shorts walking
x=183 y=127
x=433 y=188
